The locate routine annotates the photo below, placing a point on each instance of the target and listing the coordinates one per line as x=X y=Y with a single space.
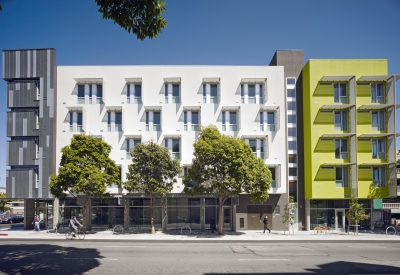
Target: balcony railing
x=175 y=99
x=251 y=100
x=214 y=99
x=271 y=127
x=128 y=155
x=380 y=155
x=377 y=127
x=232 y=127
x=118 y=128
x=81 y=100
x=261 y=100
x=176 y=155
x=194 y=127
x=261 y=127
x=262 y=155
x=273 y=184
x=99 y=100
x=79 y=129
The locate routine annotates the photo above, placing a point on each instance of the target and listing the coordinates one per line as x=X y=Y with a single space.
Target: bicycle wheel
x=390 y=230
x=68 y=235
x=81 y=235
x=186 y=230
x=118 y=229
x=329 y=230
x=317 y=230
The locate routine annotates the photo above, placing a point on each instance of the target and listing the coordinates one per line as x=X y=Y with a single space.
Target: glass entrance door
x=340 y=219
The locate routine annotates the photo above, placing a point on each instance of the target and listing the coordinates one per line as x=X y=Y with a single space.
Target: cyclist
x=72 y=225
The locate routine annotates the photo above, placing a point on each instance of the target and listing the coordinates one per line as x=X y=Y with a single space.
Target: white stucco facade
x=157 y=87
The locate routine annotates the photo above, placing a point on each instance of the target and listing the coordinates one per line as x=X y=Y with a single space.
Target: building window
x=291 y=92
x=291 y=105
x=191 y=118
x=290 y=81
x=230 y=118
x=114 y=122
x=130 y=144
x=212 y=90
x=341 y=149
x=378 y=121
x=241 y=221
x=173 y=146
x=257 y=145
x=292 y=158
x=274 y=183
x=251 y=91
x=292 y=132
x=292 y=172
x=90 y=94
x=377 y=93
x=75 y=122
x=134 y=94
x=291 y=118
x=153 y=121
x=341 y=120
x=342 y=177
x=172 y=93
x=340 y=93
x=379 y=176
x=277 y=209
x=378 y=149
x=292 y=145
x=267 y=118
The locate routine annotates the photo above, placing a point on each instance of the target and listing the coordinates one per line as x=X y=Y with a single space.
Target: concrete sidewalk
x=172 y=235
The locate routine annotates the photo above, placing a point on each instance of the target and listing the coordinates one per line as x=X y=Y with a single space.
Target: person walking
x=36 y=221
x=265 y=222
x=346 y=225
x=212 y=225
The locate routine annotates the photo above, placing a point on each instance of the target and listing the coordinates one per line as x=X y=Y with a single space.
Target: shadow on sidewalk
x=340 y=267
x=47 y=259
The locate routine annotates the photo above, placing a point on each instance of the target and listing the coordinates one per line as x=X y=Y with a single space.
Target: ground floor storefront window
x=332 y=213
x=139 y=213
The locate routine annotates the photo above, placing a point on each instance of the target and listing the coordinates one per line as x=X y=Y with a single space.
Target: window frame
x=381 y=176
x=345 y=177
x=339 y=150
x=337 y=93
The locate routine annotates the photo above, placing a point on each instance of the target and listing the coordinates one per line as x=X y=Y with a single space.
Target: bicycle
x=79 y=233
x=118 y=229
x=186 y=230
x=390 y=230
x=320 y=228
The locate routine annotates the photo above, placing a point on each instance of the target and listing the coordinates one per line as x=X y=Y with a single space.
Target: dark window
x=252 y=90
x=138 y=90
x=195 y=117
x=118 y=118
x=99 y=90
x=291 y=92
x=81 y=90
x=157 y=118
x=292 y=132
x=291 y=118
x=277 y=209
x=241 y=222
x=292 y=158
x=293 y=172
x=175 y=90
x=214 y=90
x=291 y=105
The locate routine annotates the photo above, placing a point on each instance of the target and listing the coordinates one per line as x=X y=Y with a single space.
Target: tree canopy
x=225 y=166
x=140 y=17
x=356 y=212
x=3 y=203
x=289 y=213
x=152 y=171
x=85 y=168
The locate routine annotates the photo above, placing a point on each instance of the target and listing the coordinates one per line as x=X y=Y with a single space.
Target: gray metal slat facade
x=22 y=95
x=22 y=124
x=21 y=152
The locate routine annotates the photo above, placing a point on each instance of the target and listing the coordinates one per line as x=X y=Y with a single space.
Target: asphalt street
x=82 y=257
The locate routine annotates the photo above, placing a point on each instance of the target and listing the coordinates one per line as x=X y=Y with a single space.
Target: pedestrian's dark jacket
x=265 y=221
x=212 y=224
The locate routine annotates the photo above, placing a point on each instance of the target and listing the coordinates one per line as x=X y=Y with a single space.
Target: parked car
x=13 y=219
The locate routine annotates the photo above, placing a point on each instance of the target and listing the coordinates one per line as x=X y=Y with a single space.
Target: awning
x=191 y=108
x=269 y=108
x=337 y=106
x=172 y=135
x=153 y=108
x=337 y=78
x=253 y=80
x=376 y=106
x=230 y=108
x=377 y=135
x=75 y=108
x=89 y=80
x=133 y=80
x=378 y=164
x=172 y=79
x=113 y=108
x=211 y=79
x=253 y=135
x=337 y=135
x=338 y=164
x=378 y=77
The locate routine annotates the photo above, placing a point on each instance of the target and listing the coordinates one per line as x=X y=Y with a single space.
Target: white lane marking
x=124 y=246
x=367 y=246
x=263 y=259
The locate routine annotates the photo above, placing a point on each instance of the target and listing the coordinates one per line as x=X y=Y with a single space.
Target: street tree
x=3 y=202
x=85 y=169
x=140 y=17
x=356 y=212
x=153 y=172
x=225 y=166
x=289 y=213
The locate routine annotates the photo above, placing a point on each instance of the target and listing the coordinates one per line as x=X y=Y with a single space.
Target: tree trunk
x=85 y=208
x=153 y=231
x=221 y=216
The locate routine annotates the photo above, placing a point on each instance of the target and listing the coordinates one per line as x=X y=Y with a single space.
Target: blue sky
x=213 y=32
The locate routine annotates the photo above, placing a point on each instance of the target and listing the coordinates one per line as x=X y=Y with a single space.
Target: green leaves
x=356 y=212
x=226 y=166
x=152 y=170
x=85 y=167
x=141 y=17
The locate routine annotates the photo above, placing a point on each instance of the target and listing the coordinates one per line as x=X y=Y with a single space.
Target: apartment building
x=127 y=105
x=349 y=137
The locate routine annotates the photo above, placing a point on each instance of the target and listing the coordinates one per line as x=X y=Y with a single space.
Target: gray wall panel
x=36 y=65
x=17 y=154
x=18 y=183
